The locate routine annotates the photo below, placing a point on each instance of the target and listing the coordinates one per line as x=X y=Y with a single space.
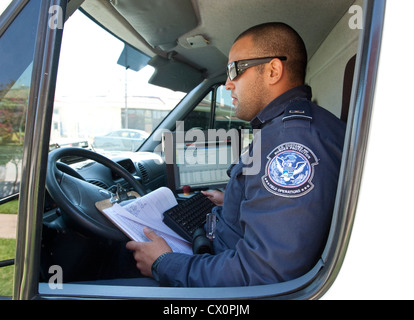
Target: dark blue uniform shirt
x=278 y=203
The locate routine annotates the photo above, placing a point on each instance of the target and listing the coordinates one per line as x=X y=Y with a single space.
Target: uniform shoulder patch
x=289 y=170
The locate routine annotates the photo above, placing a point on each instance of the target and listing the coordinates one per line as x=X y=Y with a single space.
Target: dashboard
x=147 y=167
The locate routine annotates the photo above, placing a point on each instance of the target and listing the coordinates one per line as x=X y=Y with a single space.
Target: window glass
x=224 y=116
x=16 y=56
x=199 y=117
x=98 y=102
x=3 y=5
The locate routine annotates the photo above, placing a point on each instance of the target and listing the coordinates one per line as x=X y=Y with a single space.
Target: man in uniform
x=272 y=225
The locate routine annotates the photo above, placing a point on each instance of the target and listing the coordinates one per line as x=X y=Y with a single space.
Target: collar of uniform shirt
x=277 y=106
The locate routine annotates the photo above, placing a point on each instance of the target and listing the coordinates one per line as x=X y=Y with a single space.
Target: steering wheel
x=77 y=197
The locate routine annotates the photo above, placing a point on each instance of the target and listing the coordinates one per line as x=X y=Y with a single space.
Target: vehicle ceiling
x=166 y=28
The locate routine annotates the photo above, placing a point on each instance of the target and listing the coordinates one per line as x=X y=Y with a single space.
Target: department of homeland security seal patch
x=289 y=170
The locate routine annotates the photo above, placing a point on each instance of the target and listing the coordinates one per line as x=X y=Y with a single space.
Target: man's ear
x=276 y=71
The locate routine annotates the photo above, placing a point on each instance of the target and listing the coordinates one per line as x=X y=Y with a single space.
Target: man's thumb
x=150 y=233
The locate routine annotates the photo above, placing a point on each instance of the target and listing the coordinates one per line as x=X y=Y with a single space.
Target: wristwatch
x=154 y=266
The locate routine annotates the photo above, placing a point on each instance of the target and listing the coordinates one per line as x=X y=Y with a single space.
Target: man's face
x=247 y=89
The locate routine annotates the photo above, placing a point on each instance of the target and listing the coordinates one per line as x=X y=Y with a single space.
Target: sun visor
x=133 y=59
x=178 y=17
x=174 y=75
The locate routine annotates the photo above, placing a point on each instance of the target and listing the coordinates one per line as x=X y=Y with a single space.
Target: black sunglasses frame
x=236 y=68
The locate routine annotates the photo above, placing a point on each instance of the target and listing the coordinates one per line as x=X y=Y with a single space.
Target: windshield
x=99 y=103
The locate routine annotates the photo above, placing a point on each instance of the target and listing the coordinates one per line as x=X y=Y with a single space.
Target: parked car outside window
x=120 y=140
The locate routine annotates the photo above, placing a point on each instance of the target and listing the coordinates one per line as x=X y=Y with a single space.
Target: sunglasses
x=236 y=68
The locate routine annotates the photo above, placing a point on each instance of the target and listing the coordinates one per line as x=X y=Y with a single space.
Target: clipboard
x=104 y=204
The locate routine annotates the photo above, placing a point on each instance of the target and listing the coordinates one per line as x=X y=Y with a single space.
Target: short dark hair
x=279 y=39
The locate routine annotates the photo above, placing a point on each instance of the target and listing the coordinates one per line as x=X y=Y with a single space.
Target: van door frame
x=35 y=150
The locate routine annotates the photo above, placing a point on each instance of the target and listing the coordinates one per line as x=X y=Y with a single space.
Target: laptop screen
x=198 y=161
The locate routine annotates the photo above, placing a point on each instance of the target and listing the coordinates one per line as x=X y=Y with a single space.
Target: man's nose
x=229 y=84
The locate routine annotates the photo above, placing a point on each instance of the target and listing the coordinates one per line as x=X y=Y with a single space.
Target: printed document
x=148 y=211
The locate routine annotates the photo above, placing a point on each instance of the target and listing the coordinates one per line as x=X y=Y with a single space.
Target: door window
x=216 y=111
x=16 y=55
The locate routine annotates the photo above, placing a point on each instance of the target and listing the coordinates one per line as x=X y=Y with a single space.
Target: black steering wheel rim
x=76 y=198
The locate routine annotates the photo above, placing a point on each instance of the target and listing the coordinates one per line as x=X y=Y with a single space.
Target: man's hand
x=215 y=196
x=145 y=253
